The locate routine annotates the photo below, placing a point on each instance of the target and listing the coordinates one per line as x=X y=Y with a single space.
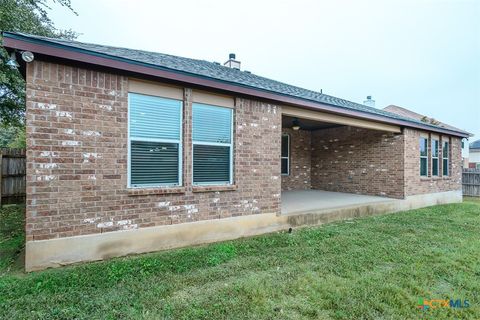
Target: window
x=434 y=157
x=154 y=144
x=212 y=144
x=445 y=158
x=285 y=154
x=423 y=156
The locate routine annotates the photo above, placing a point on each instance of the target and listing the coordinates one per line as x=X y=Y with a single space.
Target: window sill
x=229 y=187
x=435 y=178
x=157 y=190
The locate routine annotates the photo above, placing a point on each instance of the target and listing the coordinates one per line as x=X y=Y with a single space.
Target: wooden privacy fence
x=471 y=182
x=12 y=176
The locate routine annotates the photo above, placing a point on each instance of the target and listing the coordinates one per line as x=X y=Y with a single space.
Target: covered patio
x=338 y=166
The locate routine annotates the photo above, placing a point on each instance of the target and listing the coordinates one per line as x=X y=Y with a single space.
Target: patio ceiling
x=333 y=119
x=308 y=124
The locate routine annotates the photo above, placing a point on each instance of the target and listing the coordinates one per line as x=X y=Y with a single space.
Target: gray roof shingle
x=475 y=144
x=417 y=116
x=215 y=71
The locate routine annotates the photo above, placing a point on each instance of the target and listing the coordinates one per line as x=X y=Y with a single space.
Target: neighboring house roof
x=417 y=116
x=475 y=145
x=205 y=73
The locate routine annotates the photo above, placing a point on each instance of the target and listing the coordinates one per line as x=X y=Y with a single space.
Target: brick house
x=131 y=151
x=420 y=117
x=474 y=157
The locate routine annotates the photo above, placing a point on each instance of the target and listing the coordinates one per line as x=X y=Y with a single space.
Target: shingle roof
x=217 y=72
x=475 y=144
x=417 y=116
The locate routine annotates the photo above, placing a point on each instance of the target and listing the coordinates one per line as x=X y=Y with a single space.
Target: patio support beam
x=337 y=119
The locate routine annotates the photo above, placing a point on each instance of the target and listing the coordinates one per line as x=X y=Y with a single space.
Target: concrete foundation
x=63 y=251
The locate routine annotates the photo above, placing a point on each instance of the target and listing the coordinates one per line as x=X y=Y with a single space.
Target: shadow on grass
x=12 y=238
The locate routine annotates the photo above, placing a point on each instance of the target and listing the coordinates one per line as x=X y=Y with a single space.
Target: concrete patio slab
x=307 y=201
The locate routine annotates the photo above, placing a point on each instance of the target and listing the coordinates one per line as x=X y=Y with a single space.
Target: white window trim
x=230 y=173
x=437 y=157
x=180 y=151
x=447 y=158
x=287 y=157
x=426 y=157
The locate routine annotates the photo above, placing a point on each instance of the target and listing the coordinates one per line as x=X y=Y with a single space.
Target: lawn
x=371 y=268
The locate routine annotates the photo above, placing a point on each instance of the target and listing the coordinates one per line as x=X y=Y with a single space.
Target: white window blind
x=212 y=144
x=155 y=135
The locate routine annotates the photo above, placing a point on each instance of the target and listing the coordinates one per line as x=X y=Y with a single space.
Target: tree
x=29 y=16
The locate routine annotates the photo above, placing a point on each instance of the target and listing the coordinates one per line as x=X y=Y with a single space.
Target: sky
x=419 y=54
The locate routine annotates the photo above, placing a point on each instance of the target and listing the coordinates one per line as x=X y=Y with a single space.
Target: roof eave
x=20 y=42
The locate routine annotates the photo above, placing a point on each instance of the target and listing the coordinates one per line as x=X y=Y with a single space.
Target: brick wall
x=300 y=160
x=414 y=184
x=77 y=160
x=355 y=160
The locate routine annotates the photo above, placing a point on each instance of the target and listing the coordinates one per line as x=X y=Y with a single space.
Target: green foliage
x=19 y=140
x=371 y=268
x=12 y=136
x=29 y=16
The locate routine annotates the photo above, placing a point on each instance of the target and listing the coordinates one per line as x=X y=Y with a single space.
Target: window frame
x=159 y=140
x=287 y=157
x=425 y=157
x=446 y=141
x=230 y=173
x=432 y=142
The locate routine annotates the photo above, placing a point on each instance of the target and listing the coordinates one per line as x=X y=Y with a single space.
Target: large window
x=423 y=156
x=285 y=154
x=212 y=144
x=445 y=158
x=434 y=157
x=155 y=135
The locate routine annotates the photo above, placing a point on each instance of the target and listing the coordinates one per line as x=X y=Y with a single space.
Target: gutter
x=21 y=42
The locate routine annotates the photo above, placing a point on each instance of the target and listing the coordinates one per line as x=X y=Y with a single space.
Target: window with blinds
x=423 y=156
x=212 y=144
x=435 y=155
x=445 y=158
x=155 y=135
x=285 y=154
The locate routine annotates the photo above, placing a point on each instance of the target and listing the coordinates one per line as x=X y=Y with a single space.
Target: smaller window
x=212 y=144
x=445 y=158
x=423 y=156
x=434 y=157
x=285 y=154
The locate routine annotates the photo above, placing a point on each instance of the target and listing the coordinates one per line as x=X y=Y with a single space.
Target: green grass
x=371 y=268
x=12 y=237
